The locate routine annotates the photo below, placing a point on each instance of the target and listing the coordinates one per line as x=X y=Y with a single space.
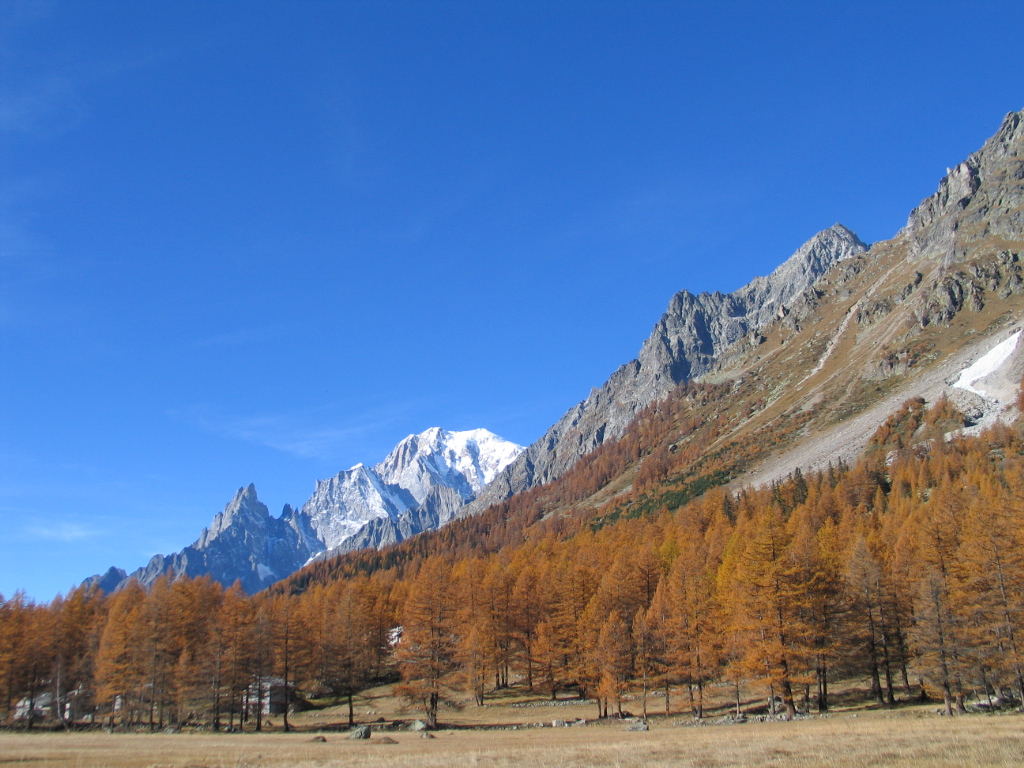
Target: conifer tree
x=774 y=593
x=349 y=663
x=236 y=621
x=14 y=621
x=993 y=589
x=938 y=630
x=527 y=612
x=426 y=654
x=547 y=659
x=615 y=661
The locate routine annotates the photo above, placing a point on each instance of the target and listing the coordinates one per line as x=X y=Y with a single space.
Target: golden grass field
x=909 y=736
x=840 y=741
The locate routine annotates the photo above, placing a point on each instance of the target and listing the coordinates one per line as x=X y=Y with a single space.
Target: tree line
x=905 y=570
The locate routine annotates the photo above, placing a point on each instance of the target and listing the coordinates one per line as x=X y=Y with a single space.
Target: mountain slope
x=835 y=339
x=684 y=345
x=905 y=320
x=936 y=312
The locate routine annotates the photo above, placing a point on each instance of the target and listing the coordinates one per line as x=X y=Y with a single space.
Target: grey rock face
x=420 y=486
x=341 y=505
x=243 y=543
x=108 y=581
x=440 y=507
x=685 y=344
x=981 y=197
x=966 y=236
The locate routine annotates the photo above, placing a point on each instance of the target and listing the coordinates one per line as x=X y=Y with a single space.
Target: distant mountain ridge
x=430 y=478
x=423 y=481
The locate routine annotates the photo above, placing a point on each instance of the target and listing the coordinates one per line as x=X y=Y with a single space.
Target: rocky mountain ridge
x=905 y=320
x=686 y=343
x=417 y=487
x=916 y=316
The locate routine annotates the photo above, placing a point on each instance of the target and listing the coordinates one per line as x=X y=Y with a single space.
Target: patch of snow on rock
x=264 y=573
x=987 y=364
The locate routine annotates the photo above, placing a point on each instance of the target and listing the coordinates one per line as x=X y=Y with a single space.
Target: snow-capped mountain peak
x=394 y=494
x=465 y=461
x=421 y=485
x=343 y=504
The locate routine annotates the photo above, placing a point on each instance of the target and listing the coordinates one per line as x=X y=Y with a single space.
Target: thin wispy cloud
x=291 y=434
x=47 y=105
x=64 y=532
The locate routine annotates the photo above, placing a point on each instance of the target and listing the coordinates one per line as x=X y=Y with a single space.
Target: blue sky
x=261 y=242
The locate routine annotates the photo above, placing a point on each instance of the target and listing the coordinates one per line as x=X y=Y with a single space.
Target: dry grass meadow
x=911 y=736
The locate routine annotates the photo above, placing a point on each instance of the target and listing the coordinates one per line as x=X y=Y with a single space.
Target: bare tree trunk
x=432 y=710
x=876 y=683
x=787 y=694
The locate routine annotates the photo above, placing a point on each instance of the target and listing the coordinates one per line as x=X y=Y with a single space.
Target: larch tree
x=693 y=634
x=78 y=621
x=774 y=596
x=615 y=662
x=645 y=656
x=349 y=664
x=118 y=673
x=657 y=651
x=283 y=626
x=426 y=653
x=14 y=626
x=938 y=630
x=993 y=557
x=236 y=620
x=867 y=634
x=527 y=613
x=546 y=656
